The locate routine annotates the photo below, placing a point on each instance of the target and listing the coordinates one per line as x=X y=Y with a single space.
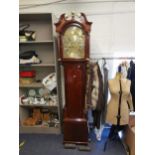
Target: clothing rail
x=111 y=58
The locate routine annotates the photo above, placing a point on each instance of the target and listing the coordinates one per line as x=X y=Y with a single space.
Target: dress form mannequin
x=126 y=100
x=119 y=105
x=118 y=75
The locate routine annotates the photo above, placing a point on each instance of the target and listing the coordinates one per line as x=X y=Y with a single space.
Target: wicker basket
x=26 y=80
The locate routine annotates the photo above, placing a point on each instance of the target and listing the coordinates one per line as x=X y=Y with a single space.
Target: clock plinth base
x=75 y=131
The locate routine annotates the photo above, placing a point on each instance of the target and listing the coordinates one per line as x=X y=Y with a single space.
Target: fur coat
x=97 y=92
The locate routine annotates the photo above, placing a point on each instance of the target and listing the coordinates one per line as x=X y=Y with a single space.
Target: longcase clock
x=73 y=47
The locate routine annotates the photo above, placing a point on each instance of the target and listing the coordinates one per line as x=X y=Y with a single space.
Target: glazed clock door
x=73 y=48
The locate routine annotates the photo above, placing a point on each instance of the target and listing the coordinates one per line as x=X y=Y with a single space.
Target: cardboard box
x=130 y=135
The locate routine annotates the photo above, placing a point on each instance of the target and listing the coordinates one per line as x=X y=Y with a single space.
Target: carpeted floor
x=43 y=144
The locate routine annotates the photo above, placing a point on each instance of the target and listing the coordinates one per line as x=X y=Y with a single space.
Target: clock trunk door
x=75 y=89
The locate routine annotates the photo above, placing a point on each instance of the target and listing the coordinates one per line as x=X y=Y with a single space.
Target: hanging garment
x=92 y=86
x=96 y=118
x=131 y=76
x=104 y=71
x=95 y=94
x=105 y=95
x=88 y=104
x=124 y=71
x=126 y=101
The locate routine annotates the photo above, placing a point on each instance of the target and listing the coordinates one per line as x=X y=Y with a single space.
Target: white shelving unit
x=44 y=46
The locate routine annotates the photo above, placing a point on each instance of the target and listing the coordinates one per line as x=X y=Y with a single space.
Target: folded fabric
x=27 y=74
x=28 y=54
x=33 y=60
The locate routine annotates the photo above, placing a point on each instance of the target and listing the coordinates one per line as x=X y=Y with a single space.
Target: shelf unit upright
x=44 y=45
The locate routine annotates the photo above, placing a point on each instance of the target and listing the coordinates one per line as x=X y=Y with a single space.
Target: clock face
x=73 y=43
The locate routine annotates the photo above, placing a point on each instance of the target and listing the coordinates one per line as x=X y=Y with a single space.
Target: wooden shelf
x=32 y=85
x=37 y=65
x=37 y=42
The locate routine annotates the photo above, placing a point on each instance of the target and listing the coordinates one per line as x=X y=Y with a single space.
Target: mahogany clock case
x=73 y=53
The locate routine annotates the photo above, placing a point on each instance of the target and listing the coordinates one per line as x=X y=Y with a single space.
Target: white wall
x=113 y=23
